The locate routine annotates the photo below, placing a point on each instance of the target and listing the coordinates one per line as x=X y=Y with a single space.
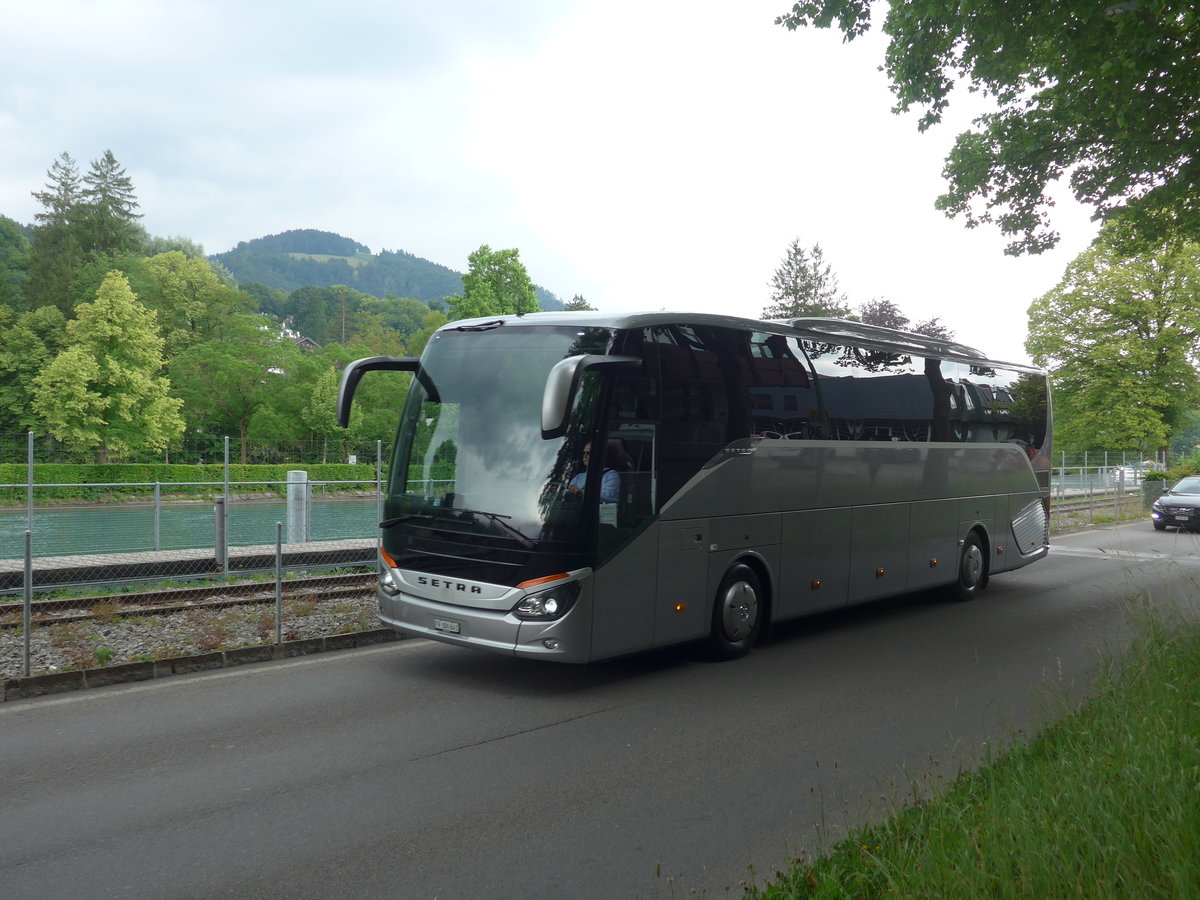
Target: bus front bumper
x=561 y=640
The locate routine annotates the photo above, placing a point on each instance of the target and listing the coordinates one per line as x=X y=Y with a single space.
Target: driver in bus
x=610 y=482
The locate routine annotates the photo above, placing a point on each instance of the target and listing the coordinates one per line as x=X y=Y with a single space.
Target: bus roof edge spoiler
x=563 y=382
x=354 y=372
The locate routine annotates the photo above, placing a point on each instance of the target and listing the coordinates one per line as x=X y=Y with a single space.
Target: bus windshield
x=470 y=460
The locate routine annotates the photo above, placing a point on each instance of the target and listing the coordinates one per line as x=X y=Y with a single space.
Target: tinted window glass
x=875 y=395
x=782 y=398
x=1003 y=406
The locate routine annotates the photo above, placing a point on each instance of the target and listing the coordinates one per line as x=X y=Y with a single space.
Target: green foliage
x=1121 y=338
x=104 y=391
x=1100 y=805
x=805 y=285
x=15 y=255
x=578 y=304
x=224 y=381
x=192 y=304
x=109 y=215
x=1103 y=94
x=296 y=259
x=26 y=349
x=883 y=312
x=496 y=284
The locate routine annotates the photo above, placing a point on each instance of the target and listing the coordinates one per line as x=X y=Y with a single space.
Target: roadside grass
x=1105 y=803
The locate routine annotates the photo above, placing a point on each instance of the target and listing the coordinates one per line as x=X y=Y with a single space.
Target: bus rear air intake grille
x=1029 y=528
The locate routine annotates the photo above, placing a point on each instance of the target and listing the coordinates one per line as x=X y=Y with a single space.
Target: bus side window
x=781 y=394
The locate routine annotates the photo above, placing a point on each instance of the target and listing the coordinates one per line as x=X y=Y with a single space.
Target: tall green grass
x=1106 y=803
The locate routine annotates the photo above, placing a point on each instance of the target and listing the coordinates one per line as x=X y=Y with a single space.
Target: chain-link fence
x=184 y=568
x=100 y=574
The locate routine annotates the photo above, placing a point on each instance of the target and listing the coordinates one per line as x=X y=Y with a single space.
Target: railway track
x=165 y=602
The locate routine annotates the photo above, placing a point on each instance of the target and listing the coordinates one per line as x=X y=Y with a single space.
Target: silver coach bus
x=740 y=473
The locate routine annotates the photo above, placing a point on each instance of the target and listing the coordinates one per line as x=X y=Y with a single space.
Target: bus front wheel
x=737 y=614
x=972 y=569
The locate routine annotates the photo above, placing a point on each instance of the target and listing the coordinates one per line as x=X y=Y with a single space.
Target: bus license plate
x=447 y=625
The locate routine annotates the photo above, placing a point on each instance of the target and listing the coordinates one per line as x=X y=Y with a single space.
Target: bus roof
x=874 y=336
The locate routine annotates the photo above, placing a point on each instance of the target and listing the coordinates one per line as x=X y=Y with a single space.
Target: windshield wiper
x=498 y=519
x=452 y=512
x=388 y=523
x=482 y=326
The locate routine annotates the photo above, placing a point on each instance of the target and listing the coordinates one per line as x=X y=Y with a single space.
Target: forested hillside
x=311 y=258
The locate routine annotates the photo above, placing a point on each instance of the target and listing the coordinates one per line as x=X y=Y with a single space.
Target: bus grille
x=1030 y=528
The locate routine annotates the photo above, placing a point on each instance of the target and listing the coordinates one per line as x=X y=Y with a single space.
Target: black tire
x=737 y=615
x=1159 y=526
x=972 y=575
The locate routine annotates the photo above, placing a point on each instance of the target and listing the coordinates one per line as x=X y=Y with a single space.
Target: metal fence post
x=29 y=487
x=27 y=614
x=278 y=582
x=157 y=516
x=221 y=547
x=225 y=516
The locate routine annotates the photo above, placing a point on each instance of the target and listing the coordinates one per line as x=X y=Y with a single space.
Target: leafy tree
x=110 y=214
x=63 y=194
x=432 y=322
x=578 y=304
x=404 y=314
x=320 y=415
x=57 y=252
x=267 y=300
x=1121 y=337
x=496 y=284
x=804 y=285
x=25 y=350
x=224 y=382
x=883 y=312
x=104 y=391
x=153 y=246
x=934 y=328
x=322 y=313
x=193 y=306
x=14 y=263
x=1105 y=94
x=371 y=335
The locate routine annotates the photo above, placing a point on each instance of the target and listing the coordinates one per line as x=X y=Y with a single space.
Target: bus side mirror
x=563 y=382
x=354 y=372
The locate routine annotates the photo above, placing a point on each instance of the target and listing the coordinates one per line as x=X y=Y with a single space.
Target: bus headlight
x=551 y=604
x=387 y=583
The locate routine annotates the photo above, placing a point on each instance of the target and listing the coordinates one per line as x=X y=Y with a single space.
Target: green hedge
x=171 y=477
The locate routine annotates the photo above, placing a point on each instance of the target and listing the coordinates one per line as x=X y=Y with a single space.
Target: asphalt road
x=420 y=770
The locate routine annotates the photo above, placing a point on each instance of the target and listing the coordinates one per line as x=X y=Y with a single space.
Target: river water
x=130 y=528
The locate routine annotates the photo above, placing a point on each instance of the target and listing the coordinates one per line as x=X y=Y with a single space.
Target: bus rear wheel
x=972 y=570
x=737 y=614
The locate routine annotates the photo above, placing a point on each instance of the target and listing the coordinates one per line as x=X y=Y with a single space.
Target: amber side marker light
x=680 y=607
x=388 y=559
x=545 y=579
x=816 y=584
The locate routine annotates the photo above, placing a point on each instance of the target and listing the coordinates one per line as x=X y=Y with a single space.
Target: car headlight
x=550 y=604
x=1157 y=507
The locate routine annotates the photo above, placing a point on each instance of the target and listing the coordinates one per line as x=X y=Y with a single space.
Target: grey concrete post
x=297 y=507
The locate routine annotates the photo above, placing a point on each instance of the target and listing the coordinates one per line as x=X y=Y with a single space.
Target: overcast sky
x=646 y=154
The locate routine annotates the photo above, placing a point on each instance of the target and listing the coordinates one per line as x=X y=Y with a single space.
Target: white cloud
x=644 y=155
